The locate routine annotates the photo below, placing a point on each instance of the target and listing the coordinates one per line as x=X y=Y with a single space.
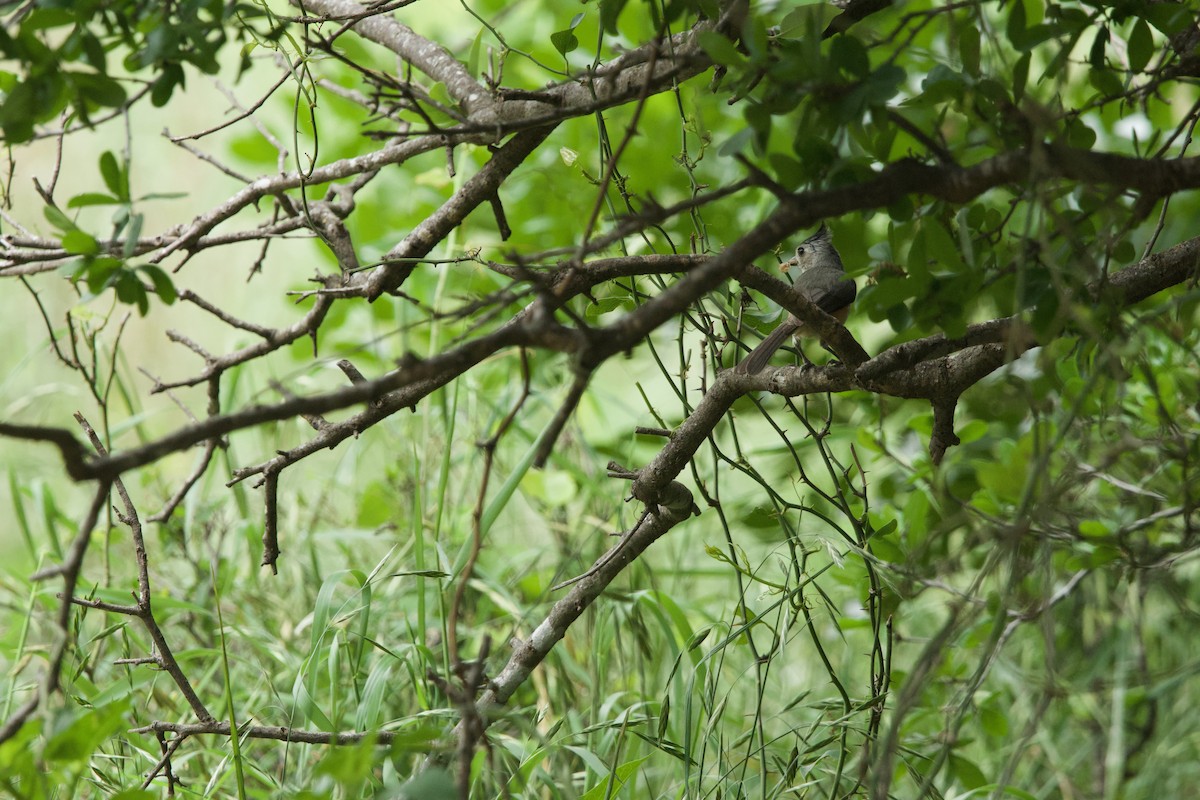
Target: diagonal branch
x=481 y=187
x=897 y=371
x=424 y=54
x=528 y=654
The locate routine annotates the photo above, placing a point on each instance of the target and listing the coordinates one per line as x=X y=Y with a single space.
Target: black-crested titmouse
x=822 y=279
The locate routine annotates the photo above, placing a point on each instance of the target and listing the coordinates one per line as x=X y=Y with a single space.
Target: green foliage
x=62 y=48
x=97 y=266
x=989 y=624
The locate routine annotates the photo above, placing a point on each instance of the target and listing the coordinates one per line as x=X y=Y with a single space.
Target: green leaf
x=16 y=115
x=901 y=209
x=1025 y=29
x=1079 y=134
x=164 y=287
x=164 y=85
x=968 y=49
x=96 y=272
x=721 y=50
x=431 y=784
x=323 y=610
x=508 y=488
x=848 y=54
x=885 y=529
x=96 y=89
x=789 y=172
x=44 y=18
x=994 y=721
x=917 y=263
x=967 y=773
x=941 y=83
x=93 y=51
x=610 y=10
x=1020 y=77
x=564 y=41
x=133 y=234
x=1096 y=54
x=1140 y=46
x=350 y=765
x=941 y=249
x=374 y=696
x=58 y=219
x=759 y=120
x=1124 y=252
x=916 y=517
x=900 y=318
x=1106 y=82
x=115 y=178
x=473 y=54
x=698 y=638
x=130 y=290
x=1168 y=18
x=75 y=734
x=1015 y=27
x=80 y=243
x=883 y=84
x=737 y=143
x=808 y=19
x=618 y=778
x=550 y=487
x=815 y=153
x=92 y=199
x=887 y=548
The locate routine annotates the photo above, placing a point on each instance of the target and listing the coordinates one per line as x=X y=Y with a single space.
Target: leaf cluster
x=62 y=50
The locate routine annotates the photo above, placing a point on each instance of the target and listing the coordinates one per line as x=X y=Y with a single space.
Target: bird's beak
x=791 y=262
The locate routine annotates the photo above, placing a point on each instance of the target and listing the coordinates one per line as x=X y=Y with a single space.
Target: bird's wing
x=829 y=289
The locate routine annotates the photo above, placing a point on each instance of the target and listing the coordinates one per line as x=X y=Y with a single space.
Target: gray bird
x=822 y=279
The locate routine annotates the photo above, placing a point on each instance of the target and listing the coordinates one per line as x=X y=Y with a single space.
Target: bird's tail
x=759 y=356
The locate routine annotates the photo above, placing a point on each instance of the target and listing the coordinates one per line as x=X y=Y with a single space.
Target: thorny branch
x=935 y=369
x=921 y=369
